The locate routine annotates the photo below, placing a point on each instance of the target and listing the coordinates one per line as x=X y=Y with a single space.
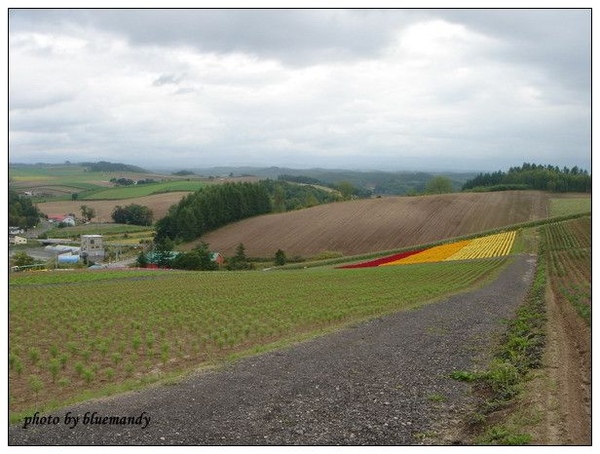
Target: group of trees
x=200 y=258
x=287 y=196
x=212 y=207
x=132 y=214
x=532 y=176
x=105 y=166
x=87 y=212
x=21 y=211
x=217 y=205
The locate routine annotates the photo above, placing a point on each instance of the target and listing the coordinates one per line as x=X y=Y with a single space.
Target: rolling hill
x=363 y=226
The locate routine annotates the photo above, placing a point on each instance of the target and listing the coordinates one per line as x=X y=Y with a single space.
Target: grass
x=113 y=326
x=570 y=205
x=129 y=192
x=109 y=230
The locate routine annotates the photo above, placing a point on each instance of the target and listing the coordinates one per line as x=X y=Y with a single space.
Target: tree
x=21 y=211
x=345 y=188
x=87 y=212
x=439 y=185
x=162 y=252
x=280 y=258
x=239 y=260
x=132 y=214
x=142 y=260
x=199 y=259
x=22 y=259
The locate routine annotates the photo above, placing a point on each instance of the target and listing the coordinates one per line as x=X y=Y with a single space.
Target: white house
x=15 y=239
x=92 y=247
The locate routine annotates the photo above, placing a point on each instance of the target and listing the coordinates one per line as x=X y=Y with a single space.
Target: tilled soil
x=383 y=382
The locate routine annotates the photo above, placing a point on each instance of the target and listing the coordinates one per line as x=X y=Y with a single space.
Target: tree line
x=532 y=176
x=212 y=207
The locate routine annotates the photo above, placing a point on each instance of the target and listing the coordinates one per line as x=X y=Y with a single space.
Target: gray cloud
x=377 y=88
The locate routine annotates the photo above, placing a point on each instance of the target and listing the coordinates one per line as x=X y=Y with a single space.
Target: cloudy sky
x=389 y=89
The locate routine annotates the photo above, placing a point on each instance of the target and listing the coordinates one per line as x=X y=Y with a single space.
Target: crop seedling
x=110 y=373
x=34 y=355
x=54 y=368
x=36 y=384
x=117 y=358
x=63 y=360
x=88 y=375
x=79 y=367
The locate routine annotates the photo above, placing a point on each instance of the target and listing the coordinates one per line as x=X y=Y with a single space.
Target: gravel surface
x=383 y=382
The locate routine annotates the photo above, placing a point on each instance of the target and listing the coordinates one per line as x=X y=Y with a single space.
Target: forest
x=532 y=176
x=212 y=207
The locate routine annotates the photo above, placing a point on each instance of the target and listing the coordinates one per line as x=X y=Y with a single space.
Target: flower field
x=497 y=245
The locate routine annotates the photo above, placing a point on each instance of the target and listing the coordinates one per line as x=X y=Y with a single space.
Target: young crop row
x=68 y=336
x=497 y=245
x=567 y=246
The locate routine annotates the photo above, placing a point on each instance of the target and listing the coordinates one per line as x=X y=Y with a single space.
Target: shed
x=217 y=257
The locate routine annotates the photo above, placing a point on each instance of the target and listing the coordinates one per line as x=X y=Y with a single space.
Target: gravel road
x=383 y=382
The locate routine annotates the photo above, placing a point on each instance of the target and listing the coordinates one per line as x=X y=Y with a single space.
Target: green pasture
x=70 y=176
x=142 y=190
x=570 y=205
x=85 y=333
x=101 y=229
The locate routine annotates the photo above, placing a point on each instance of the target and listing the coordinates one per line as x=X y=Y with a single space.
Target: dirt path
x=563 y=396
x=381 y=382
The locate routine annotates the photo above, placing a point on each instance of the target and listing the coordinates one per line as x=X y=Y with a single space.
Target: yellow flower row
x=434 y=254
x=488 y=246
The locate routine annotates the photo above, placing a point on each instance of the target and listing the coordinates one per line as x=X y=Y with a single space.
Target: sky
x=376 y=89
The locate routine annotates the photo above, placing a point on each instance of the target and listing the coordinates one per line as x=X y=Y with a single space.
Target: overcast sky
x=359 y=88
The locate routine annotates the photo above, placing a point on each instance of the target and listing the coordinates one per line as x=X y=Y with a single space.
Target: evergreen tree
x=239 y=260
x=163 y=252
x=21 y=211
x=142 y=260
x=280 y=258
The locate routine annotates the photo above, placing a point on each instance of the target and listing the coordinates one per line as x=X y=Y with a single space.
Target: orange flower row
x=488 y=246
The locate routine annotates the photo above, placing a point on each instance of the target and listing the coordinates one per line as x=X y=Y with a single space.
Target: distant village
x=90 y=248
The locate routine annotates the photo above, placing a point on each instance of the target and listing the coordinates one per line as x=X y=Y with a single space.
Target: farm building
x=16 y=239
x=92 y=247
x=217 y=257
x=62 y=219
x=153 y=257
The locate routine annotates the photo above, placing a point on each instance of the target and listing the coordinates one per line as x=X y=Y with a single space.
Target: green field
x=80 y=333
x=570 y=205
x=129 y=192
x=107 y=230
x=60 y=175
x=63 y=181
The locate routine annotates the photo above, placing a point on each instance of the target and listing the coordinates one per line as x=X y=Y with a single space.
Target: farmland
x=385 y=224
x=129 y=192
x=85 y=332
x=158 y=203
x=488 y=246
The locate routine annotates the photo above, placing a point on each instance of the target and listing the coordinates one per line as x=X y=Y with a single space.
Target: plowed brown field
x=363 y=226
x=158 y=203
